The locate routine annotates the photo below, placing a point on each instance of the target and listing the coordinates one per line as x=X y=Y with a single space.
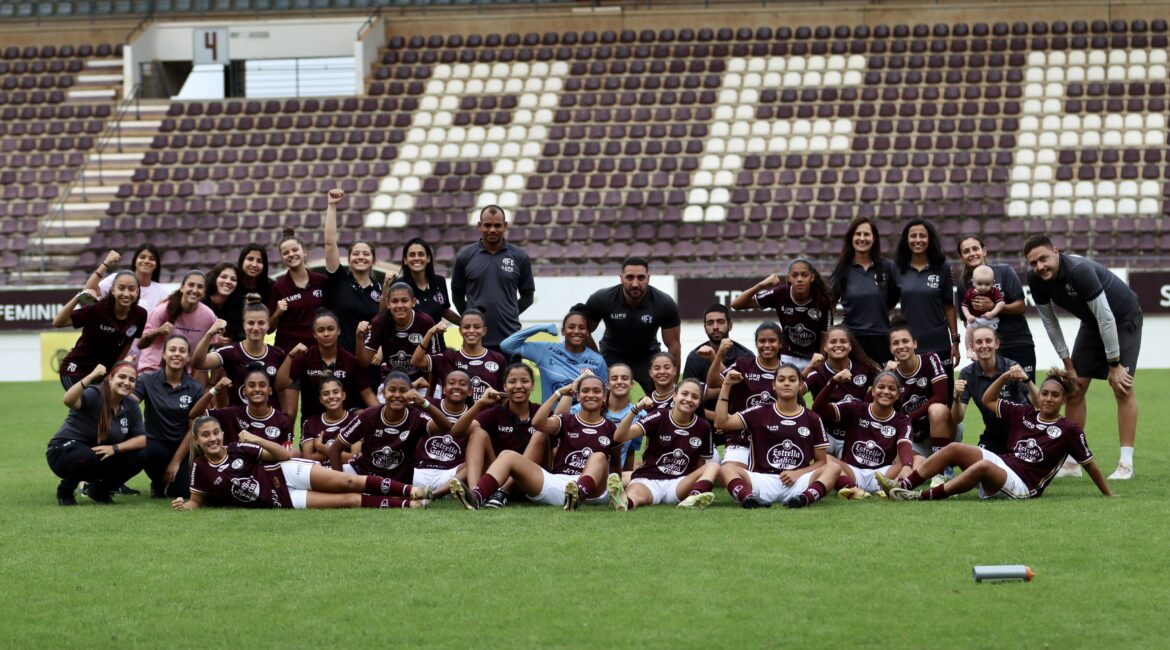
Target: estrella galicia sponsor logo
x=785 y=455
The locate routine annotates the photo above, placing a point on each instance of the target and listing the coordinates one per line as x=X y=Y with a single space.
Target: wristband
x=116 y=450
x=214 y=391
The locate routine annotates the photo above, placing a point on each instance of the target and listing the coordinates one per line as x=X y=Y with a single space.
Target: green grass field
x=839 y=574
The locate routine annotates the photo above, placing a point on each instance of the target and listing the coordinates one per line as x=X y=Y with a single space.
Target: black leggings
x=158 y=455
x=75 y=462
x=1025 y=355
x=877 y=346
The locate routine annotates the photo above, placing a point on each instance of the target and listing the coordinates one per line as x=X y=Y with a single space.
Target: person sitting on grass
x=258 y=473
x=677 y=466
x=580 y=464
x=317 y=433
x=1039 y=439
x=877 y=436
x=788 y=462
x=440 y=457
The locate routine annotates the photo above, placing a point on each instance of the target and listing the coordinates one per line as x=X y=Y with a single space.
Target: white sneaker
x=1070 y=468
x=1122 y=473
x=937 y=480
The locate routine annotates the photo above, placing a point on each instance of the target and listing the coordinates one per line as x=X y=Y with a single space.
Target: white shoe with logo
x=1122 y=473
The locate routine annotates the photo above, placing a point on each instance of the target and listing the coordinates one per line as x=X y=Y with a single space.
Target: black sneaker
x=65 y=494
x=751 y=502
x=126 y=490
x=498 y=499
x=157 y=492
x=798 y=501
x=98 y=494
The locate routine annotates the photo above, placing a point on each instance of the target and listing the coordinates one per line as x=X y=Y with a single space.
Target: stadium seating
x=101 y=8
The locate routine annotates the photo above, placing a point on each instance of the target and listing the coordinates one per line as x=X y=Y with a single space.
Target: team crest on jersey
x=814 y=313
x=508 y=265
x=647 y=318
x=376 y=295
x=317 y=293
x=442 y=449
x=245 y=489
x=933 y=280
x=125 y=423
x=272 y=432
x=785 y=455
x=237 y=463
x=1068 y=288
x=867 y=453
x=415 y=338
x=131 y=331
x=696 y=441
x=888 y=431
x=491 y=366
x=860 y=380
x=386 y=458
x=674 y=463
x=1054 y=432
x=185 y=401
x=271 y=371
x=1028 y=451
x=603 y=440
x=804 y=432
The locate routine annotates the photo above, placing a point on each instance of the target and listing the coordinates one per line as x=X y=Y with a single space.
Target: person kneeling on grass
x=258 y=473
x=580 y=463
x=677 y=465
x=787 y=442
x=877 y=436
x=1039 y=439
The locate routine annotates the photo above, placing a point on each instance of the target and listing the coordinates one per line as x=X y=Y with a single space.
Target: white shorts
x=769 y=489
x=348 y=469
x=433 y=478
x=661 y=490
x=800 y=362
x=980 y=321
x=735 y=454
x=836 y=446
x=553 y=492
x=296 y=473
x=1013 y=487
x=864 y=476
x=299 y=498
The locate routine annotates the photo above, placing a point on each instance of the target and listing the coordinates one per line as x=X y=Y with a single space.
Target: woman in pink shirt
x=183 y=312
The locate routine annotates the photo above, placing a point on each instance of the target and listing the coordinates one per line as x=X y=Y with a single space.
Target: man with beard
x=717 y=324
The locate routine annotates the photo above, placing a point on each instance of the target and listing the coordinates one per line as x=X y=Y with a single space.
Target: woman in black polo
x=928 y=303
x=430 y=288
x=102 y=438
x=169 y=393
x=863 y=282
x=1015 y=338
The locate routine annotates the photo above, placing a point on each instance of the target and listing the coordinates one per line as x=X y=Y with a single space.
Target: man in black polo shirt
x=717 y=325
x=977 y=377
x=633 y=312
x=1109 y=339
x=494 y=277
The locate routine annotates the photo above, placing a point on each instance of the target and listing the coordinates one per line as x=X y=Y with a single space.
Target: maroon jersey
x=240 y=479
x=1037 y=448
x=442 y=450
x=387 y=447
x=576 y=441
x=802 y=322
x=103 y=337
x=398 y=345
x=918 y=388
x=505 y=429
x=308 y=369
x=325 y=431
x=779 y=442
x=486 y=370
x=235 y=420
x=870 y=442
x=857 y=389
x=673 y=450
x=969 y=296
x=296 y=323
x=236 y=364
x=756 y=387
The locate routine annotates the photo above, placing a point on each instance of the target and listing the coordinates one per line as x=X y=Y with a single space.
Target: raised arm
x=626 y=430
x=332 y=253
x=991 y=395
x=364 y=354
x=93 y=282
x=201 y=404
x=72 y=396
x=958 y=404
x=517 y=343
x=272 y=452
x=823 y=404
x=465 y=423
x=747 y=299
x=439 y=422
x=419 y=358
x=715 y=370
x=63 y=317
x=283 y=378
x=542 y=420
x=724 y=421
x=201 y=359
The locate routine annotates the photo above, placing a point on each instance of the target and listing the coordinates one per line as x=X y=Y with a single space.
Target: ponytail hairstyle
x=471 y=311
x=327 y=378
x=658 y=355
x=286 y=235
x=397 y=374
x=254 y=302
x=254 y=368
x=106 y=410
x=176 y=335
x=856 y=352
x=819 y=293
x=799 y=376
x=1065 y=379
x=689 y=380
x=108 y=299
x=766 y=326
x=897 y=384
x=196 y=451
x=175 y=300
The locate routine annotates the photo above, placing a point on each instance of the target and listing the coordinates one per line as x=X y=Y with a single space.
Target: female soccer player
x=146 y=268
x=664 y=376
x=183 y=312
x=169 y=393
x=788 y=461
x=293 y=302
x=224 y=301
x=504 y=426
x=257 y=414
x=484 y=366
x=317 y=433
x=928 y=303
x=258 y=473
x=863 y=282
x=305 y=365
x=804 y=307
x=758 y=374
x=238 y=359
x=353 y=292
x=102 y=438
x=580 y=461
x=924 y=388
x=677 y=465
x=397 y=332
x=843 y=354
x=441 y=457
x=559 y=363
x=253 y=265
x=389 y=433
x=877 y=436
x=108 y=326
x=1014 y=335
x=1038 y=441
x=430 y=288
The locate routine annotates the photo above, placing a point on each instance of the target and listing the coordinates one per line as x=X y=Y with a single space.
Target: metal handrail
x=369 y=22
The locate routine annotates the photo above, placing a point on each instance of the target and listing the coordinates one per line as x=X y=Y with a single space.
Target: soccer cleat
x=1071 y=469
x=1122 y=473
x=421 y=493
x=421 y=504
x=126 y=490
x=885 y=483
x=698 y=501
x=853 y=493
x=798 y=501
x=751 y=502
x=572 y=496
x=462 y=494
x=617 y=493
x=937 y=480
x=899 y=494
x=498 y=499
